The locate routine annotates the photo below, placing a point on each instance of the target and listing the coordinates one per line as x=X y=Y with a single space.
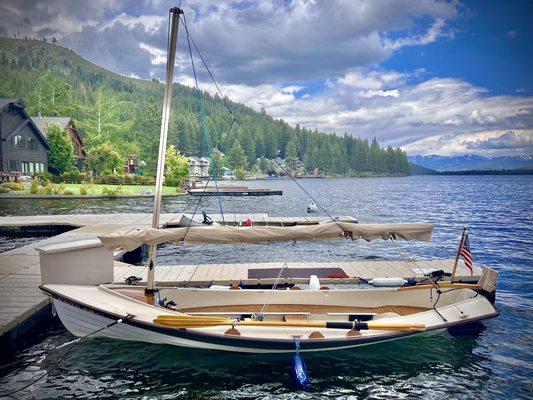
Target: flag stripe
x=467 y=255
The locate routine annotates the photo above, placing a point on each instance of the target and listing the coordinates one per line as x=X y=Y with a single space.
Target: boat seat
x=240 y=312
x=295 y=317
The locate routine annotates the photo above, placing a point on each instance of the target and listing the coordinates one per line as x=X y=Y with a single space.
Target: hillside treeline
x=126 y=112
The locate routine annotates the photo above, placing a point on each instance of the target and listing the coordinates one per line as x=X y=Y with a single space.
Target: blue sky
x=491 y=48
x=431 y=76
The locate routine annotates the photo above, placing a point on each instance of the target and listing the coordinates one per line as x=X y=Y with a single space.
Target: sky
x=433 y=77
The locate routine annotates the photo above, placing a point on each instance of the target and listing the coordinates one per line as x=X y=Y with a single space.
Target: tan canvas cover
x=132 y=239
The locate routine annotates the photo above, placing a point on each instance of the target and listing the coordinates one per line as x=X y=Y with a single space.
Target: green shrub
x=44 y=177
x=58 y=189
x=112 y=192
x=68 y=192
x=47 y=188
x=74 y=176
x=34 y=186
x=85 y=188
x=14 y=186
x=128 y=179
x=4 y=189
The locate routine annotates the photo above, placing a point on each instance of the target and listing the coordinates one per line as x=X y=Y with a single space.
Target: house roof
x=42 y=122
x=199 y=159
x=5 y=102
x=19 y=105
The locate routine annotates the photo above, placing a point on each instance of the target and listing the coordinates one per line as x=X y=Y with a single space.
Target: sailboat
x=262 y=320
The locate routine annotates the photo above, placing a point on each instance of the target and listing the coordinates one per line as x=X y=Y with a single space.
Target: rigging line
x=77 y=341
x=274 y=286
x=202 y=120
x=195 y=209
x=406 y=258
x=207 y=67
x=191 y=40
x=434 y=283
x=226 y=104
x=308 y=194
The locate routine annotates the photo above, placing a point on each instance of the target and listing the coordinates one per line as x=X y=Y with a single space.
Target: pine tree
x=61 y=154
x=236 y=158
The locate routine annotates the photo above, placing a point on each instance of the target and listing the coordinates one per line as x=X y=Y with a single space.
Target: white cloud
x=250 y=42
x=481 y=142
x=382 y=93
x=159 y=57
x=435 y=31
x=315 y=63
x=439 y=115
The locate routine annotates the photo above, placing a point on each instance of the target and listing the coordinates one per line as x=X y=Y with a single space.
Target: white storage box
x=76 y=262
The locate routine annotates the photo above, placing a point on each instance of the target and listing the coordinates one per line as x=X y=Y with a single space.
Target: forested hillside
x=107 y=107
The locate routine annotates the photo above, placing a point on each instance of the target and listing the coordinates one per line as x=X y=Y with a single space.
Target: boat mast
x=171 y=56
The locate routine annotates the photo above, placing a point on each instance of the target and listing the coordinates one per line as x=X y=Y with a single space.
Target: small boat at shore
x=226 y=319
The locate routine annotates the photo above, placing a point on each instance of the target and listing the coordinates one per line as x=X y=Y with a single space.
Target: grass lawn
x=73 y=189
x=124 y=189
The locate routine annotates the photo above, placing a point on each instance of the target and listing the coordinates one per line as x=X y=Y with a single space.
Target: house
x=23 y=146
x=228 y=173
x=280 y=167
x=67 y=124
x=277 y=166
x=199 y=167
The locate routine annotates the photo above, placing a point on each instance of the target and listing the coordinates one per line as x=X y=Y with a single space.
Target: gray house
x=23 y=147
x=67 y=124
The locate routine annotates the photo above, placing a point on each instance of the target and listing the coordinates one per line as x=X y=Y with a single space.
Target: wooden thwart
x=308 y=308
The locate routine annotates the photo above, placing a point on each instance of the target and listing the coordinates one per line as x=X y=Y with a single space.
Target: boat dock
x=23 y=305
x=222 y=191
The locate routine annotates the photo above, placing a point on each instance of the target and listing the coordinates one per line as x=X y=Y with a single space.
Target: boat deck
x=22 y=301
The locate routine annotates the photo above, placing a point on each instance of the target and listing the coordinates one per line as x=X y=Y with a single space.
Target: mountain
x=420 y=170
x=107 y=107
x=471 y=162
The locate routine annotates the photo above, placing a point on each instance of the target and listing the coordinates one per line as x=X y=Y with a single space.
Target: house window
x=32 y=144
x=41 y=167
x=13 y=165
x=18 y=142
x=25 y=167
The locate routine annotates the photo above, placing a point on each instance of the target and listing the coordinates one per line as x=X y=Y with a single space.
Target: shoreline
x=78 y=196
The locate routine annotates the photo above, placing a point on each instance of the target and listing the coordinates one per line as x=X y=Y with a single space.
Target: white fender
x=388 y=282
x=314 y=283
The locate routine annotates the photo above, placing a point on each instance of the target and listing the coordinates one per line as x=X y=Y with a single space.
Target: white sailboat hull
x=81 y=323
x=85 y=309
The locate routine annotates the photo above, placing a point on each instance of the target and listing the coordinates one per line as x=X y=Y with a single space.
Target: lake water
x=495 y=364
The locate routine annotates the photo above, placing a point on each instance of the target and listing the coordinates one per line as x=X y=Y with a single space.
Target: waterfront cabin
x=228 y=173
x=199 y=167
x=67 y=124
x=23 y=146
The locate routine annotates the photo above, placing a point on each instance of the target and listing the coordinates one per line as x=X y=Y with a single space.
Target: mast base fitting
x=150 y=291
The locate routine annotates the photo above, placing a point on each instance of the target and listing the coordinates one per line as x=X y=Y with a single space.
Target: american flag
x=467 y=255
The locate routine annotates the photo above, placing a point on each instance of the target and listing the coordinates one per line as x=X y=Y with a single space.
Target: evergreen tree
x=236 y=158
x=263 y=165
x=61 y=154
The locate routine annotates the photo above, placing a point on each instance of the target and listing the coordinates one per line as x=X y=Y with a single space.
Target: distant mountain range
x=471 y=161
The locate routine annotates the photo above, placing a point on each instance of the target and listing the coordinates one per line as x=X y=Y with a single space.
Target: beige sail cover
x=130 y=240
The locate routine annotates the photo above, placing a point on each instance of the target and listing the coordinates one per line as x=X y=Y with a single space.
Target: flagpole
x=458 y=253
